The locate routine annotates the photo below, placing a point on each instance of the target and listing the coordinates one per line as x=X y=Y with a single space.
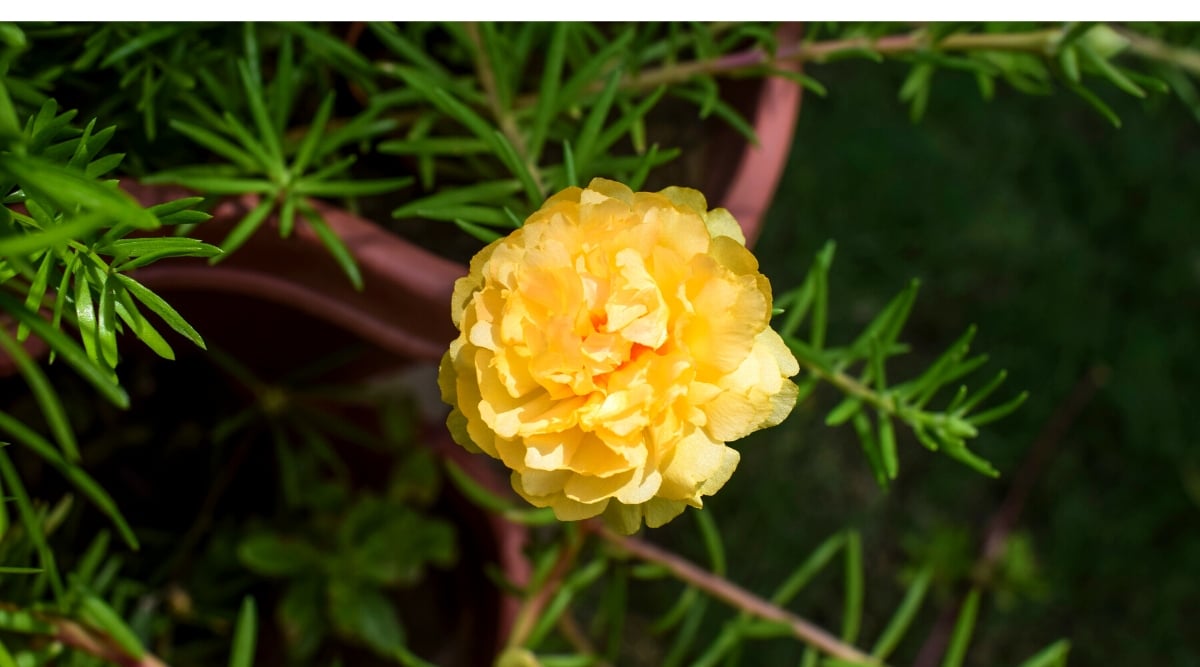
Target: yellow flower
x=610 y=348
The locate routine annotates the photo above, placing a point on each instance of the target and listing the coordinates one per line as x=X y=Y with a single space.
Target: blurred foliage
x=1072 y=246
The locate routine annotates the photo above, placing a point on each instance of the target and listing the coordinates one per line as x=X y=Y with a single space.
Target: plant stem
x=80 y=638
x=851 y=386
x=1153 y=49
x=92 y=642
x=569 y=627
x=1004 y=519
x=736 y=596
x=536 y=601
x=504 y=117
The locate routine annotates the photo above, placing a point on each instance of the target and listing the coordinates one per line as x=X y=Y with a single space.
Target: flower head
x=610 y=348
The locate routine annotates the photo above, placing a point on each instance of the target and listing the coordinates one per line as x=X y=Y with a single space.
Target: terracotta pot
x=746 y=183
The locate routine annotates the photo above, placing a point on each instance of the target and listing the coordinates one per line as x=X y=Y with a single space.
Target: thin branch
x=851 y=386
x=1151 y=48
x=90 y=641
x=568 y=625
x=82 y=639
x=533 y=605
x=1037 y=41
x=1004 y=519
x=736 y=596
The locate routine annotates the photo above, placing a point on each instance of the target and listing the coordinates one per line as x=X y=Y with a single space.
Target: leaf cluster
x=858 y=370
x=69 y=242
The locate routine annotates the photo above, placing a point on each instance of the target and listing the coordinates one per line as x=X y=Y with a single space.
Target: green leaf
x=29 y=518
x=819 y=274
x=628 y=121
x=870 y=446
x=693 y=616
x=106 y=326
x=574 y=582
x=103 y=165
x=161 y=308
x=213 y=183
x=245 y=229
x=486 y=192
x=518 y=167
x=887 y=444
x=904 y=615
x=74 y=474
x=252 y=84
x=445 y=102
x=844 y=411
x=128 y=312
x=85 y=569
x=723 y=110
x=1054 y=655
x=572 y=175
x=25 y=622
x=10 y=127
x=923 y=387
x=328 y=171
x=245 y=635
x=98 y=614
x=474 y=491
x=315 y=131
x=481 y=215
x=547 y=105
x=68 y=188
x=1097 y=104
x=613 y=52
x=217 y=144
x=886 y=326
x=301 y=617
x=1110 y=71
x=282 y=90
x=391 y=37
x=814 y=563
x=963 y=628
x=1002 y=410
x=273 y=556
x=585 y=141
x=448 y=146
x=350 y=188
x=638 y=178
x=1068 y=58
x=140 y=42
x=335 y=245
x=802 y=79
x=47 y=398
x=712 y=542
x=77 y=227
x=399 y=545
x=852 y=614
x=365 y=615
x=75 y=357
x=482 y=233
x=37 y=290
x=167 y=209
x=161 y=246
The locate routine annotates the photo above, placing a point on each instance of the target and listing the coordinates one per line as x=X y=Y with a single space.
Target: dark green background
x=1073 y=245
